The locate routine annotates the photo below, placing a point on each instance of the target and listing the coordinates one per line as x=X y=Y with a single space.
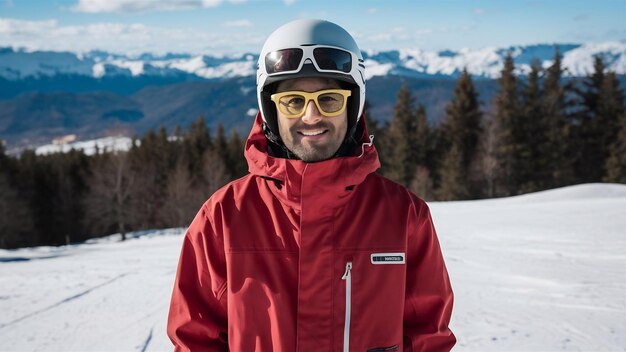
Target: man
x=312 y=251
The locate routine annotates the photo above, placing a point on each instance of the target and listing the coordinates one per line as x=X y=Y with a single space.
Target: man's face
x=311 y=137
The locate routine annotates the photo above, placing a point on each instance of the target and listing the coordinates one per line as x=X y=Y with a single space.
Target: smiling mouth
x=312 y=133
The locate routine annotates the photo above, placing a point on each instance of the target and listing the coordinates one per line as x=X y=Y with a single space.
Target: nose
x=311 y=114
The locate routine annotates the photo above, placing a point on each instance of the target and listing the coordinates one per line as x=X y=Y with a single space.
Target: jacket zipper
x=347 y=275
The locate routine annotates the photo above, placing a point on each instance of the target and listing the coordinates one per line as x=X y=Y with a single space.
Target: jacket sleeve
x=198 y=318
x=428 y=302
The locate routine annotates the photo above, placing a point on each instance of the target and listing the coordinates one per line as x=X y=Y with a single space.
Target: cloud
x=424 y=32
x=479 y=11
x=289 y=2
x=401 y=36
x=211 y=3
x=373 y=10
x=238 y=24
x=20 y=28
x=122 y=38
x=126 y=6
x=131 y=6
x=8 y=3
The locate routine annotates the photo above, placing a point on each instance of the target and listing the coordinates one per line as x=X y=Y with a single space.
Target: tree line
x=160 y=182
x=541 y=131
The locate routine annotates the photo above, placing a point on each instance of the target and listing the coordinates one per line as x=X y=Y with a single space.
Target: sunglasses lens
x=283 y=60
x=291 y=105
x=330 y=102
x=333 y=59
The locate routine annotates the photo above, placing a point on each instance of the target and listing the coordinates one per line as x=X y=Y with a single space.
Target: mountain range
x=17 y=64
x=44 y=95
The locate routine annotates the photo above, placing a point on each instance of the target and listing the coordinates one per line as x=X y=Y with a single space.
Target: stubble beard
x=312 y=152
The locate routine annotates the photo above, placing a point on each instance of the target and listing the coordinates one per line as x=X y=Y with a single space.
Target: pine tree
x=195 y=144
x=586 y=130
x=422 y=182
x=558 y=148
x=151 y=163
x=401 y=139
x=70 y=170
x=486 y=165
x=507 y=138
x=421 y=137
x=235 y=155
x=454 y=184
x=15 y=215
x=215 y=173
x=180 y=203
x=610 y=109
x=616 y=162
x=23 y=179
x=4 y=159
x=532 y=166
x=459 y=133
x=220 y=146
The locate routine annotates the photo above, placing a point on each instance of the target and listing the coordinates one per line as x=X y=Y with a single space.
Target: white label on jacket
x=387 y=258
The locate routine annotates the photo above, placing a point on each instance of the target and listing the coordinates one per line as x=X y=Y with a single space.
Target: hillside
x=539 y=272
x=35 y=118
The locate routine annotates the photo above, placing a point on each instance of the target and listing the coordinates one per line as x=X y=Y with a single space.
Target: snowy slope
x=540 y=272
x=18 y=64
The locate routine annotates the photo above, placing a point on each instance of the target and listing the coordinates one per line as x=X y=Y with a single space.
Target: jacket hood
x=329 y=175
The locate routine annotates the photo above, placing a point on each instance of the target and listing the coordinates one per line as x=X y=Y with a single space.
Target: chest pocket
x=371 y=293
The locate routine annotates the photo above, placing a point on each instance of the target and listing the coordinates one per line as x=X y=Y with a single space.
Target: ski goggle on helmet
x=311 y=48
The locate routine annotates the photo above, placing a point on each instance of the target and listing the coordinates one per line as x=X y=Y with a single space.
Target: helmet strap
x=349 y=143
x=275 y=145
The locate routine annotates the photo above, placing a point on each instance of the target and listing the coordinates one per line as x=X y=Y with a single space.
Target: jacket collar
x=332 y=175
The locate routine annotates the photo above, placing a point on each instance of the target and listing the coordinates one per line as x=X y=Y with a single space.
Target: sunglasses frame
x=312 y=96
x=307 y=54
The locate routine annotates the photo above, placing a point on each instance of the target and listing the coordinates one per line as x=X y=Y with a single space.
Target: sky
x=238 y=26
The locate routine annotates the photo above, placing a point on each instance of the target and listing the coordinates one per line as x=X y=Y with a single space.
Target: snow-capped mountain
x=16 y=64
x=90 y=147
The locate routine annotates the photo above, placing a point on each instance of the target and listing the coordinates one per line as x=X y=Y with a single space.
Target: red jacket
x=311 y=257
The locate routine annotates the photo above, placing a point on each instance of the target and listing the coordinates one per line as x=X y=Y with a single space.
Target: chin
x=311 y=156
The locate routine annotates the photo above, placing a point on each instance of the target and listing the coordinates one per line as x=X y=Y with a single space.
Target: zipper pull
x=346 y=274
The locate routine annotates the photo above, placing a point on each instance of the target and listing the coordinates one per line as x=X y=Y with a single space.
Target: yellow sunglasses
x=329 y=102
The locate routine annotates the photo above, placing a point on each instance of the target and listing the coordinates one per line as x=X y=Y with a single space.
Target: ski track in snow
x=540 y=272
x=147 y=342
x=66 y=300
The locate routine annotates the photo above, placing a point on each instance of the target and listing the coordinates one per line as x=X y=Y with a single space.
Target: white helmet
x=310 y=48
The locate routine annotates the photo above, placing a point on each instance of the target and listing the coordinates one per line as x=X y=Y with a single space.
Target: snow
x=98 y=70
x=538 y=272
x=187 y=65
x=252 y=112
x=373 y=68
x=231 y=69
x=90 y=147
x=580 y=60
x=136 y=68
